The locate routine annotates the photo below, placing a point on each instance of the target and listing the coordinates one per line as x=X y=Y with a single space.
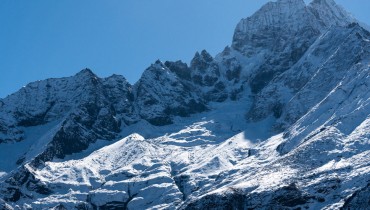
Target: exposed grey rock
x=162 y=94
x=299 y=73
x=359 y=200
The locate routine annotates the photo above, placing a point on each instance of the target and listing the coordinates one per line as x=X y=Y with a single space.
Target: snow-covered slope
x=76 y=111
x=279 y=120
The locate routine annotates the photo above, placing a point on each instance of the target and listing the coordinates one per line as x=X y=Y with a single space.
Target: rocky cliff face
x=162 y=94
x=278 y=120
x=291 y=94
x=86 y=107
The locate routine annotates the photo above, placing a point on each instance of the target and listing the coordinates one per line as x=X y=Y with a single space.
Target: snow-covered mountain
x=278 y=120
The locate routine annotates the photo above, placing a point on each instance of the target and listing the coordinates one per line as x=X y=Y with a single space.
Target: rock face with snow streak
x=86 y=106
x=278 y=120
x=161 y=93
x=281 y=32
x=291 y=94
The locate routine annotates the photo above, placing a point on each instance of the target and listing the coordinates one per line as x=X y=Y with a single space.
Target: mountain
x=278 y=120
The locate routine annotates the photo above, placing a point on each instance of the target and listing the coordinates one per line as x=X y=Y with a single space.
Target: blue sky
x=41 y=39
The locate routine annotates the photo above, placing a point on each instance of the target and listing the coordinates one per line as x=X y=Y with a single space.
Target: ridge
x=283 y=114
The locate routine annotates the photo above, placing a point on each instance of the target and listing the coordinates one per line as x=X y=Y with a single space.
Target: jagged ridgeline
x=280 y=119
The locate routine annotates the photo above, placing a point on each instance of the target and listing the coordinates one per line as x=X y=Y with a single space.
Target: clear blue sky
x=40 y=39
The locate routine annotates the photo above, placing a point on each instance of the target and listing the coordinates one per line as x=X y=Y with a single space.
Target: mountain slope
x=279 y=120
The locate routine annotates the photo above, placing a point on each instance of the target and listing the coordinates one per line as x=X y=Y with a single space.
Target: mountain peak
x=328 y=13
x=158 y=65
x=289 y=17
x=201 y=60
x=299 y=2
x=158 y=62
x=279 y=12
x=206 y=56
x=283 y=17
x=86 y=72
x=323 y=2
